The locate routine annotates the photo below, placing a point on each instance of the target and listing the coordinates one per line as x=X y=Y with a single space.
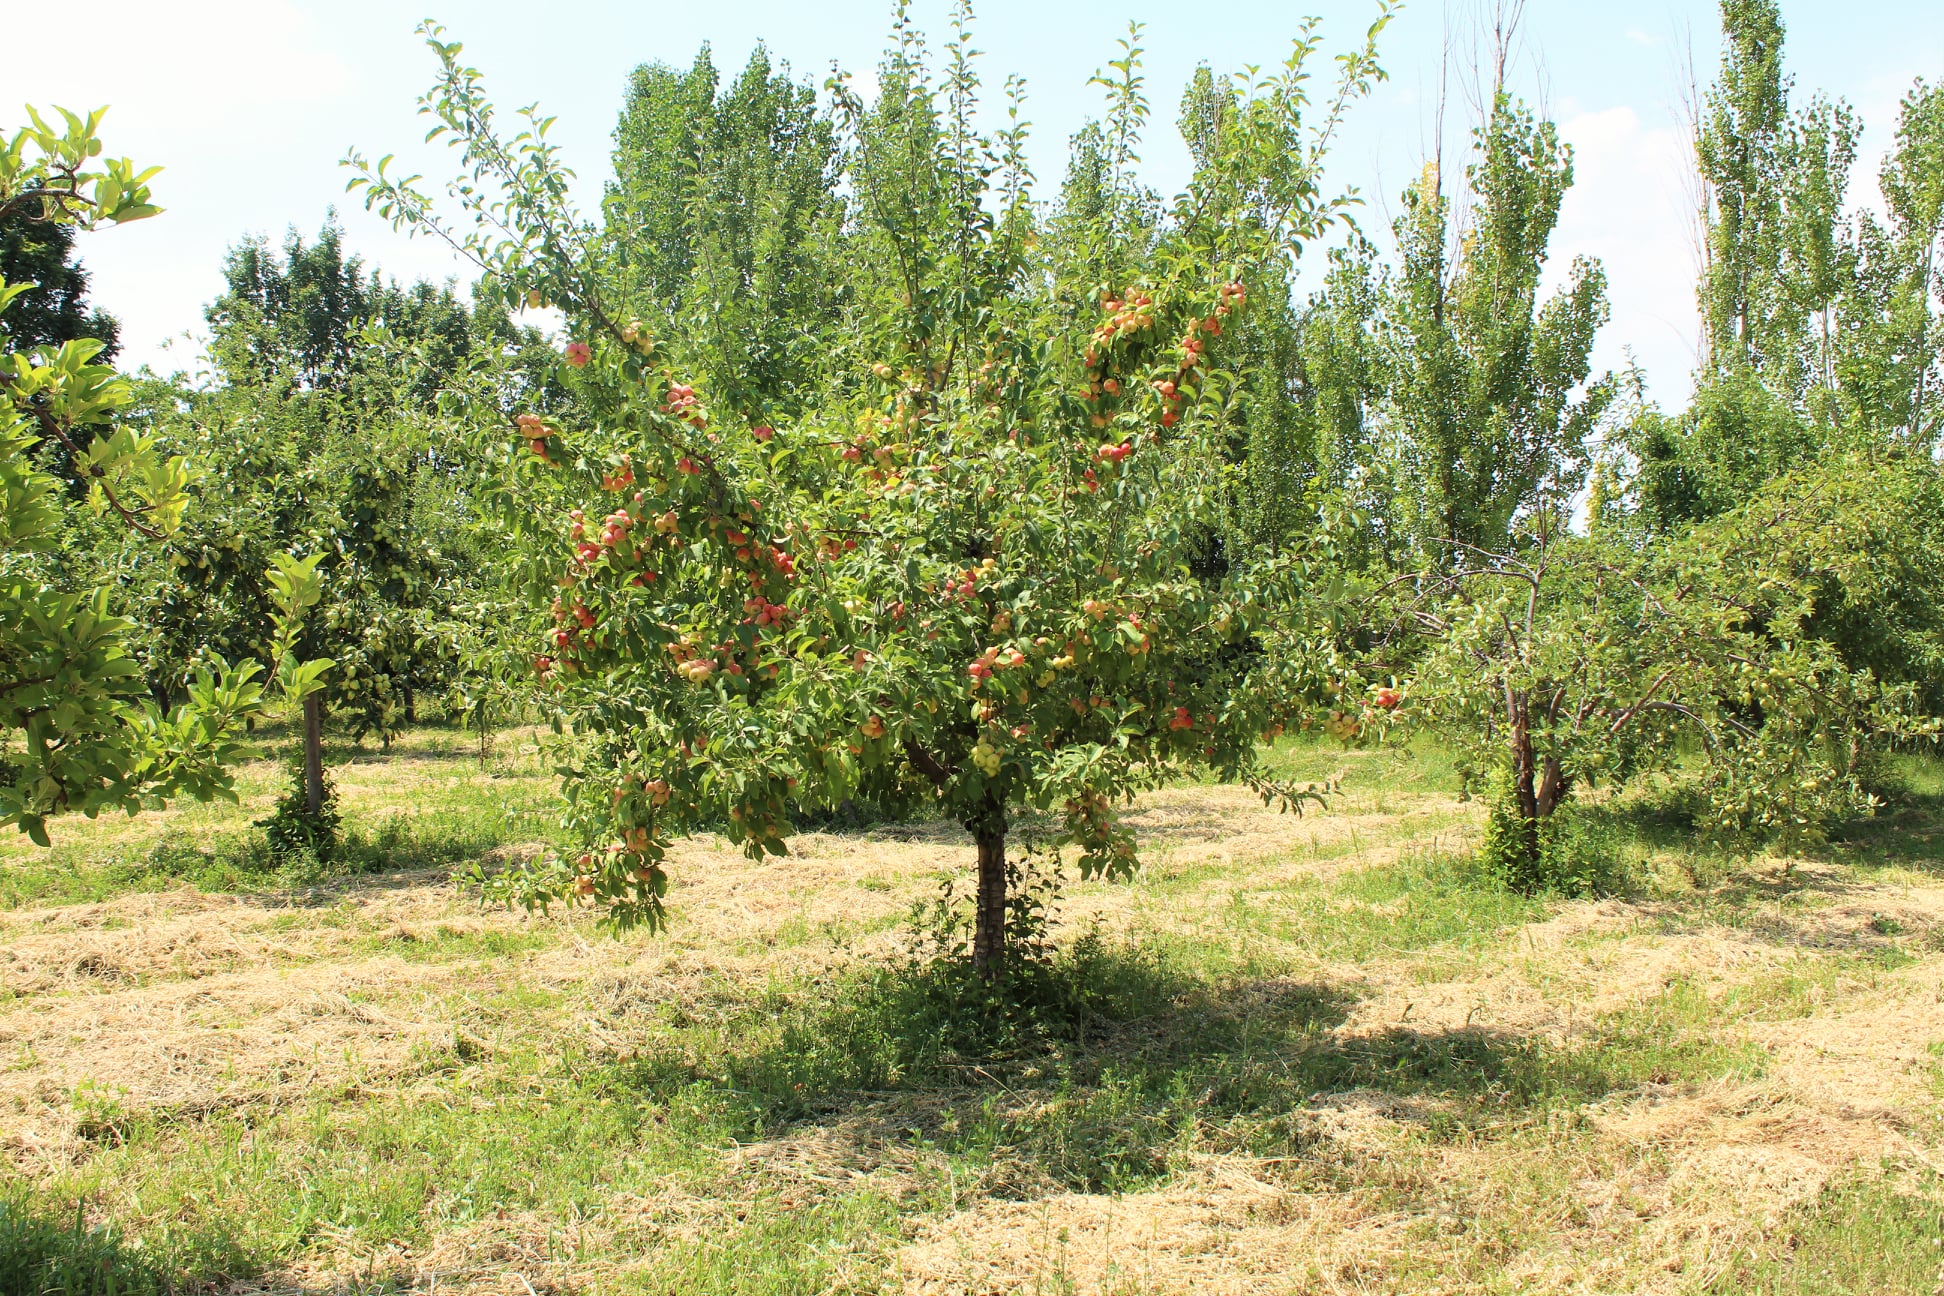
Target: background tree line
x=1424 y=416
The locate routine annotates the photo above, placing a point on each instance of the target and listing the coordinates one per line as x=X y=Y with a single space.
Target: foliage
x=1824 y=329
x=319 y=434
x=73 y=734
x=724 y=223
x=44 y=175
x=1887 y=327
x=1490 y=424
x=980 y=567
x=492 y=681
x=54 y=309
x=1573 y=660
x=302 y=316
x=293 y=828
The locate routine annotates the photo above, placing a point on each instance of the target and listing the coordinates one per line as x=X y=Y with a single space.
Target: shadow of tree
x=1100 y=1097
x=1907 y=832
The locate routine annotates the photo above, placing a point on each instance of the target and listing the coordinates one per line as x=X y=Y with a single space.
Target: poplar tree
x=724 y=214
x=1489 y=409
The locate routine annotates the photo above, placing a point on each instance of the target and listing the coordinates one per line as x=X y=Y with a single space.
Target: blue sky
x=250 y=104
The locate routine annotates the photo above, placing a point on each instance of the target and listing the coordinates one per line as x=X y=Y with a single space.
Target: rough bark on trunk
x=1538 y=786
x=989 y=928
x=988 y=829
x=314 y=755
x=1554 y=784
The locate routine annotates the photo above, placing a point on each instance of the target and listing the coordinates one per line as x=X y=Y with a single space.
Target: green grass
x=1861 y=1236
x=1209 y=1018
x=446 y=944
x=49 y=1253
x=444 y=811
x=771 y=1248
x=1140 y=1057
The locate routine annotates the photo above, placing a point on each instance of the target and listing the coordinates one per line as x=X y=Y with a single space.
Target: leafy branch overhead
x=78 y=728
x=44 y=175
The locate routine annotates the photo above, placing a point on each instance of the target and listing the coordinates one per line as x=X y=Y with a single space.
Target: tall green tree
x=300 y=315
x=1271 y=443
x=318 y=435
x=724 y=221
x=1821 y=324
x=1488 y=409
x=1740 y=151
x=1889 y=343
x=39 y=256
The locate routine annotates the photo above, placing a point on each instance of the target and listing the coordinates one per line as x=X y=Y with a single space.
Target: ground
x=1316 y=1054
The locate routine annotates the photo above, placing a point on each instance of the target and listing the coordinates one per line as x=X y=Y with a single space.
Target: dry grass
x=1819 y=990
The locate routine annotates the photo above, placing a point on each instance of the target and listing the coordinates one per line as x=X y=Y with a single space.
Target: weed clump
x=45 y=1253
x=292 y=832
x=1561 y=853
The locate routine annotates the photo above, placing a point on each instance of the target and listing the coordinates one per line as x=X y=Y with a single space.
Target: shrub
x=293 y=831
x=1563 y=853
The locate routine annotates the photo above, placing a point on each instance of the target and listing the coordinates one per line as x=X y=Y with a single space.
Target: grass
x=44 y=1254
x=1863 y=1235
x=1344 y=1059
x=425 y=803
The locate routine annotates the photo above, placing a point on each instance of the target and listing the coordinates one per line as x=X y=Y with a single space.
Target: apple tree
x=77 y=733
x=1785 y=646
x=980 y=572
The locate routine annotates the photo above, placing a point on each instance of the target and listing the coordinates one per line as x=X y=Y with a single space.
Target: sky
x=250 y=106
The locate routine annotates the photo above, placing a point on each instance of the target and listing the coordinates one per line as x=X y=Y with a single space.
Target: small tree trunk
x=1524 y=777
x=1554 y=786
x=314 y=755
x=989 y=929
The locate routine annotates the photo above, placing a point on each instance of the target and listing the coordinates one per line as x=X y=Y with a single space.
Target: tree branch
x=928 y=764
x=99 y=476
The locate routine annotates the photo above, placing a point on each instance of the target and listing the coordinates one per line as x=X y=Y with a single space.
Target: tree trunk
x=1538 y=785
x=314 y=755
x=989 y=929
x=1524 y=777
x=1554 y=785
